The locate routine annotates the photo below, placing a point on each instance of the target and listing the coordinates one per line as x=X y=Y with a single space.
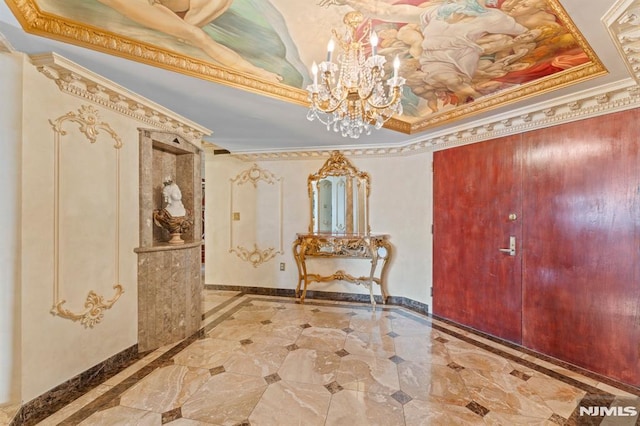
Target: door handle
x=512 y=247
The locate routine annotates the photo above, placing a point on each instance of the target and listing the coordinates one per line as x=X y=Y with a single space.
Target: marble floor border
x=594 y=395
x=42 y=406
x=405 y=302
x=221 y=306
x=557 y=362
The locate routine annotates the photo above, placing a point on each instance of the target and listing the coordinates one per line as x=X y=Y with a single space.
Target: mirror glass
x=339 y=195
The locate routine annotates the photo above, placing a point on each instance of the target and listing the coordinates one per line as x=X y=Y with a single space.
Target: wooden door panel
x=582 y=243
x=476 y=187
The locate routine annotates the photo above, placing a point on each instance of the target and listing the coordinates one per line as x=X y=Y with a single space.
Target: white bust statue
x=173 y=199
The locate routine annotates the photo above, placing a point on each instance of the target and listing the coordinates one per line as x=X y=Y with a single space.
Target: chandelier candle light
x=358 y=100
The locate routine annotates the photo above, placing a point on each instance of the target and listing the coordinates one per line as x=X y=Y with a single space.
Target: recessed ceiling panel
x=459 y=57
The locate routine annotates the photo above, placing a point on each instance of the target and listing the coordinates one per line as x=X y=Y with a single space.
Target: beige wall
x=400 y=205
x=10 y=135
x=55 y=349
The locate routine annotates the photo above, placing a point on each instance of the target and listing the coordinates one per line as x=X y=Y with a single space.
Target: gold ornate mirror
x=339 y=196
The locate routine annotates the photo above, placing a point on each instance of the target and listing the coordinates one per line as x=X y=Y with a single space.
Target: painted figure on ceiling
x=455 y=51
x=185 y=19
x=447 y=33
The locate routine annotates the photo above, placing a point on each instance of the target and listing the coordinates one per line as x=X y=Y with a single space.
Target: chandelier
x=350 y=97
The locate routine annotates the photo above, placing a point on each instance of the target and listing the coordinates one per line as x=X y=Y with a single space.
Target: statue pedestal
x=175 y=239
x=175 y=225
x=169 y=293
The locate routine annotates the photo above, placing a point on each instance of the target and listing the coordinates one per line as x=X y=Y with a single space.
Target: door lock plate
x=512 y=247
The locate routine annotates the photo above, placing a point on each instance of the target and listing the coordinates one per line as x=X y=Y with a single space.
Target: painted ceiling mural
x=459 y=57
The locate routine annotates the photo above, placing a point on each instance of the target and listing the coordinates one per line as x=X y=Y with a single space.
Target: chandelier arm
x=331 y=110
x=327 y=74
x=366 y=31
x=316 y=104
x=334 y=98
x=394 y=99
x=375 y=72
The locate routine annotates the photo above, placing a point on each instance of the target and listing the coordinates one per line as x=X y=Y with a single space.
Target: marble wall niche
x=169 y=276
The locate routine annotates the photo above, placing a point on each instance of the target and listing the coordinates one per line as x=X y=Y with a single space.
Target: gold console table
x=375 y=248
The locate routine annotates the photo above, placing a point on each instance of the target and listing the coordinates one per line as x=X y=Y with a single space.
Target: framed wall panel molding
x=91 y=128
x=255 y=215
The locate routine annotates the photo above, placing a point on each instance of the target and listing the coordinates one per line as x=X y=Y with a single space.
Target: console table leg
x=371 y=296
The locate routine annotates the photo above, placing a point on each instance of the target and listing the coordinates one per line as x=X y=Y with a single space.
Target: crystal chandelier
x=350 y=97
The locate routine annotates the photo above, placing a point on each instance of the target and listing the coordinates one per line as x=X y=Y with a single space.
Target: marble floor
x=271 y=361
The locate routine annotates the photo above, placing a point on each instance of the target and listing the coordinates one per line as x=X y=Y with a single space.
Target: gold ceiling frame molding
x=527 y=91
x=36 y=21
x=87 y=118
x=254 y=175
x=75 y=80
x=535 y=88
x=605 y=99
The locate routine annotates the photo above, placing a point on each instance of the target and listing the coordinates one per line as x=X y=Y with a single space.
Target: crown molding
x=593 y=102
x=623 y=23
x=5 y=46
x=75 y=80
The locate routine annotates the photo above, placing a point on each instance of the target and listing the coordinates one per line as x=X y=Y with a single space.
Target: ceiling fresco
x=459 y=57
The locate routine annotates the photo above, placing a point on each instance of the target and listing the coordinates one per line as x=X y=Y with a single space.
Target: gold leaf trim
x=254 y=175
x=256 y=256
x=95 y=305
x=88 y=119
x=35 y=21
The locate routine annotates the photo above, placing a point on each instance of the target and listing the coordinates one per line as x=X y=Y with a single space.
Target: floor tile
x=357 y=408
x=306 y=404
x=225 y=399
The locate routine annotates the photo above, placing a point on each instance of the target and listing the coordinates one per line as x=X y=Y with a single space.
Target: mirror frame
x=338 y=165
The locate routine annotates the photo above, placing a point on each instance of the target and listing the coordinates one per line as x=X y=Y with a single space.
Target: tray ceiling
x=463 y=59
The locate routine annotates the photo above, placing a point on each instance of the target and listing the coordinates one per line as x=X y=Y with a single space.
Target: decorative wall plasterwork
x=590 y=103
x=78 y=81
x=623 y=22
x=88 y=119
x=254 y=176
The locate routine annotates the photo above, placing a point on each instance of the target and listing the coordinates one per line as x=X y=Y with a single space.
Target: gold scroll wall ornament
x=88 y=119
x=254 y=175
x=255 y=256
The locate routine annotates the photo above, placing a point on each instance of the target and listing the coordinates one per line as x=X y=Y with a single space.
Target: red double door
x=537 y=241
